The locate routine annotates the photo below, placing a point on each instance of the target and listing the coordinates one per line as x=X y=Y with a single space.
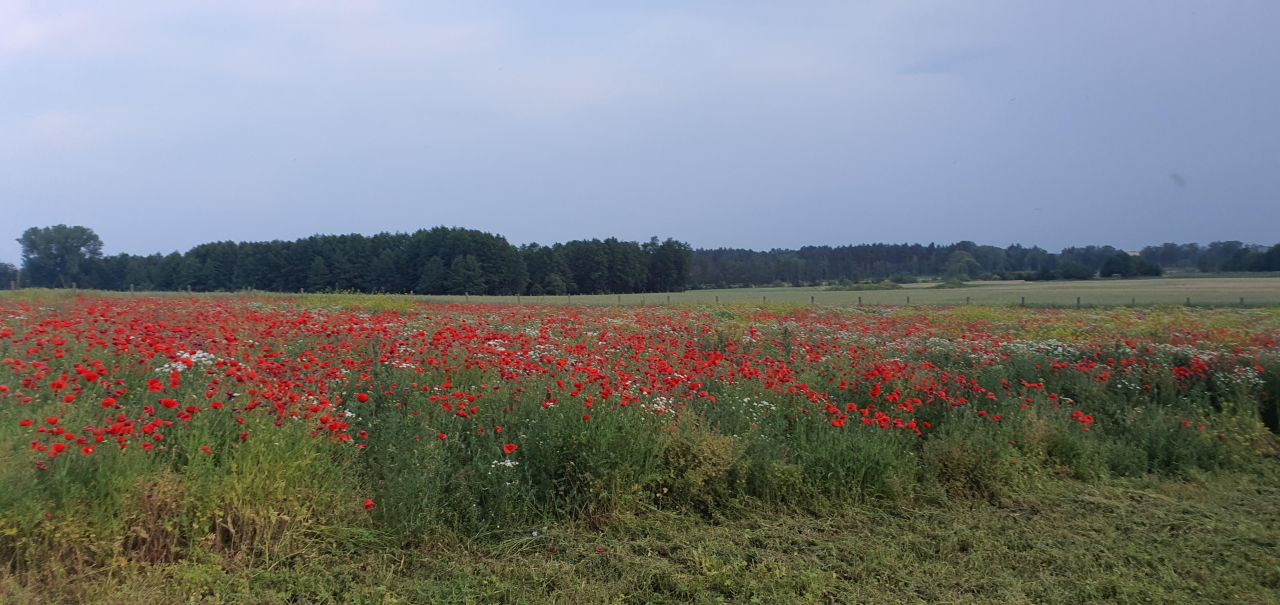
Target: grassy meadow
x=1261 y=290
x=379 y=449
x=1202 y=291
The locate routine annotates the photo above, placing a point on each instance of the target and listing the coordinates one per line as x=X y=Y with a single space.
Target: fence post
x=908 y=301
x=764 y=300
x=717 y=299
x=859 y=301
x=1024 y=301
x=1188 y=301
x=1077 y=302
x=966 y=300
x=811 y=298
x=1242 y=301
x=668 y=299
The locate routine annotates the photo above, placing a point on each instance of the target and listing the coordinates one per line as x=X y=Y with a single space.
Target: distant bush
x=1073 y=270
x=860 y=287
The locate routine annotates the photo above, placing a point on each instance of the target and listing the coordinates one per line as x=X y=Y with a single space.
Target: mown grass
x=1205 y=539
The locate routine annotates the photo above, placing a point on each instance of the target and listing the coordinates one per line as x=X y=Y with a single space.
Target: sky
x=162 y=125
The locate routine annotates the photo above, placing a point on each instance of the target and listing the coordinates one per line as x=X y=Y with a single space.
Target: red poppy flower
x=368 y=504
x=509 y=448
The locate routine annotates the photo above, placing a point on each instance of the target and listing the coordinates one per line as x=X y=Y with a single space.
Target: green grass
x=1202 y=291
x=1209 y=539
x=1222 y=291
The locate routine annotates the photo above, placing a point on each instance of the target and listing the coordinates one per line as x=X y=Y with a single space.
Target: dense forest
x=447 y=260
x=902 y=262
x=967 y=260
x=429 y=261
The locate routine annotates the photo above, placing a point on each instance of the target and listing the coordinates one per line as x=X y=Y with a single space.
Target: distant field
x=1200 y=291
x=1215 y=291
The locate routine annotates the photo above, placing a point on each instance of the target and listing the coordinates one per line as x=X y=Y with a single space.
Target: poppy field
x=153 y=431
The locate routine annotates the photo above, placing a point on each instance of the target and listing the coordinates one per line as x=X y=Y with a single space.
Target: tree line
x=446 y=260
x=809 y=265
x=1214 y=258
x=441 y=260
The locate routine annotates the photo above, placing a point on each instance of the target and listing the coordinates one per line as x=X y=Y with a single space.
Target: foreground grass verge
x=1212 y=538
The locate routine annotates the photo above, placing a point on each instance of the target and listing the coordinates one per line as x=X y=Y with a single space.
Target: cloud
x=38 y=29
x=23 y=31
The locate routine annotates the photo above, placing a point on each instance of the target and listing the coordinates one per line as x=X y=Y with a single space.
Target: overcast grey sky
x=162 y=124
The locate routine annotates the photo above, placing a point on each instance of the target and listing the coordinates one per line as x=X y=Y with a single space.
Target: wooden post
x=1133 y=302
x=1188 y=301
x=764 y=300
x=619 y=300
x=717 y=299
x=517 y=300
x=668 y=299
x=811 y=297
x=908 y=301
x=966 y=300
x=1077 y=302
x=466 y=297
x=859 y=301
x=1242 y=301
x=1024 y=301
